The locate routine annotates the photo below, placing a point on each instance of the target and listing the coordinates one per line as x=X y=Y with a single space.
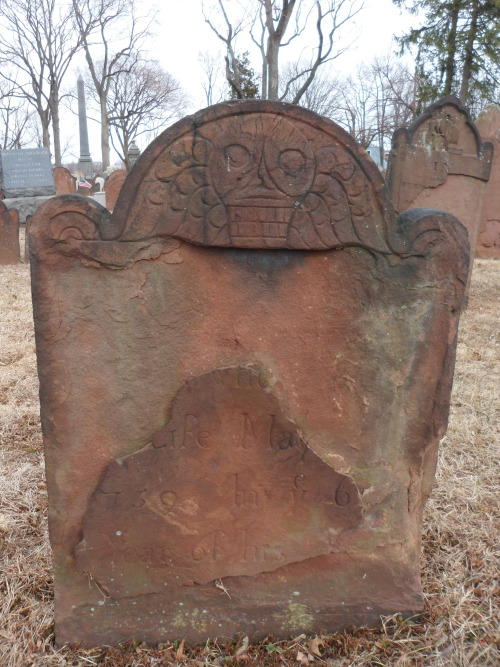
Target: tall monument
x=85 y=162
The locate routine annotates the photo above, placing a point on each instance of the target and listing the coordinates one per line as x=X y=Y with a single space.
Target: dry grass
x=460 y=625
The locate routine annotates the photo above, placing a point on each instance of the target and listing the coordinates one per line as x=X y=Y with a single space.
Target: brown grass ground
x=461 y=547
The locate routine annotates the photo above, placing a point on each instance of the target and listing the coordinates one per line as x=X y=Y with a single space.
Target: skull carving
x=261 y=181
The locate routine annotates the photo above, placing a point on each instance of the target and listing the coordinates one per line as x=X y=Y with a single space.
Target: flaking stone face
x=245 y=372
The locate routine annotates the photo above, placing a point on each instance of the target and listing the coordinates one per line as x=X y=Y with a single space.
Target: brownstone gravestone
x=112 y=187
x=440 y=162
x=245 y=373
x=65 y=182
x=10 y=252
x=488 y=242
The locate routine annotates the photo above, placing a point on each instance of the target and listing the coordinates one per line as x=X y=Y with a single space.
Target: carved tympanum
x=442 y=141
x=228 y=487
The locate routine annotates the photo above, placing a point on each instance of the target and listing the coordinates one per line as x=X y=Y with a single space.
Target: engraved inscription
x=227 y=488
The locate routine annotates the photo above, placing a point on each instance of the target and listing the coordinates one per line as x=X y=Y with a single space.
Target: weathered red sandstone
x=112 y=187
x=65 y=182
x=440 y=162
x=488 y=242
x=245 y=372
x=10 y=252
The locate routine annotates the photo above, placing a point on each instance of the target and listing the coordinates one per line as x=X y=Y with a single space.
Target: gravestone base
x=25 y=205
x=315 y=602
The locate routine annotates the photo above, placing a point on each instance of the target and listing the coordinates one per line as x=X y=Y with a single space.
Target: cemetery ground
x=460 y=625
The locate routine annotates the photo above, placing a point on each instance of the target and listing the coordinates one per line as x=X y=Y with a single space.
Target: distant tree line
x=455 y=45
x=39 y=40
x=456 y=49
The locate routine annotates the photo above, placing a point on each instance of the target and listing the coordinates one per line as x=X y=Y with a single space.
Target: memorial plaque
x=245 y=372
x=112 y=187
x=488 y=242
x=26 y=172
x=10 y=252
x=440 y=162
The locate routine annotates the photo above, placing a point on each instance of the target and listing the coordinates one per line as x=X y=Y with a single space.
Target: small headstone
x=26 y=172
x=65 y=182
x=440 y=162
x=245 y=372
x=488 y=242
x=10 y=252
x=112 y=187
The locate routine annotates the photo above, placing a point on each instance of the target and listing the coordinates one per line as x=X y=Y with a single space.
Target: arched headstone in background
x=112 y=187
x=65 y=182
x=10 y=252
x=488 y=242
x=440 y=162
x=245 y=372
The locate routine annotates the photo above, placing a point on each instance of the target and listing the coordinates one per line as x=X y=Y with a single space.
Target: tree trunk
x=104 y=134
x=469 y=54
x=57 y=134
x=451 y=49
x=272 y=60
x=265 y=69
x=45 y=123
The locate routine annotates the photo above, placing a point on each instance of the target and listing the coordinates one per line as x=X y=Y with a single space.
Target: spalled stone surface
x=112 y=187
x=440 y=162
x=65 y=182
x=245 y=372
x=488 y=242
x=10 y=252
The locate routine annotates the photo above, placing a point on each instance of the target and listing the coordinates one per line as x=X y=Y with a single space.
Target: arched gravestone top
x=112 y=186
x=65 y=182
x=245 y=372
x=442 y=141
x=256 y=175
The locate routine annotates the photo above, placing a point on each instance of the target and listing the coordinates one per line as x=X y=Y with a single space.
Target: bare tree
x=212 y=83
x=17 y=119
x=377 y=100
x=112 y=23
x=228 y=33
x=323 y=95
x=141 y=101
x=37 y=38
x=275 y=24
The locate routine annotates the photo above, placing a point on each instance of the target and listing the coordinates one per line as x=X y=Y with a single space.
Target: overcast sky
x=181 y=34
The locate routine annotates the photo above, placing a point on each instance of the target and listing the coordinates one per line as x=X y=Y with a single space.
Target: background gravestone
x=488 y=242
x=112 y=187
x=26 y=172
x=244 y=373
x=65 y=182
x=440 y=162
x=9 y=236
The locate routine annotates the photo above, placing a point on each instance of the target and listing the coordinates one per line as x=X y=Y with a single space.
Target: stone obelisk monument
x=85 y=162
